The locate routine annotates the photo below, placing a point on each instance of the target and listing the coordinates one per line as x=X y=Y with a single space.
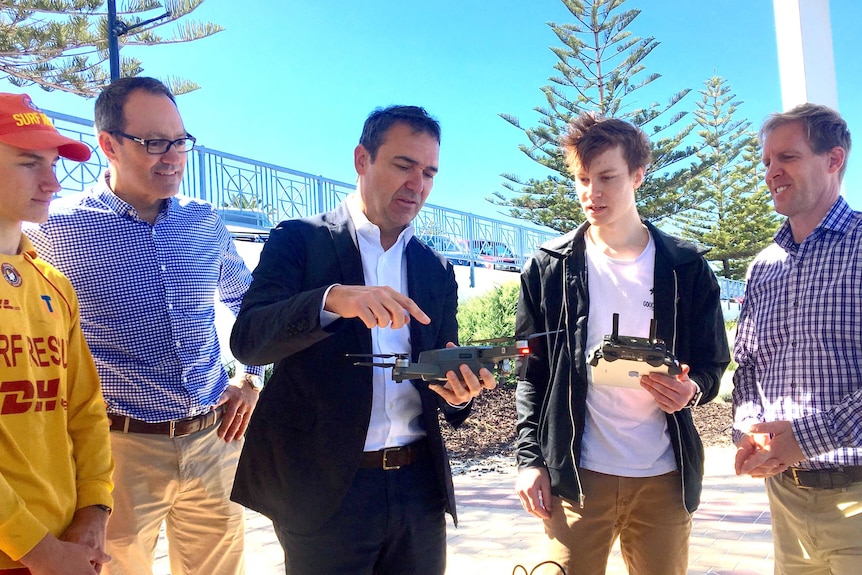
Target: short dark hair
x=824 y=128
x=590 y=134
x=382 y=119
x=111 y=101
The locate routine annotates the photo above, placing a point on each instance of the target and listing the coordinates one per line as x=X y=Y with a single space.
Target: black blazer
x=307 y=434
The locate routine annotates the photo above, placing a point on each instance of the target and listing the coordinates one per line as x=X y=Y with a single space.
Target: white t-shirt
x=626 y=432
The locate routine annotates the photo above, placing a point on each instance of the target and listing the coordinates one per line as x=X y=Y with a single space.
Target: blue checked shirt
x=799 y=339
x=147 y=296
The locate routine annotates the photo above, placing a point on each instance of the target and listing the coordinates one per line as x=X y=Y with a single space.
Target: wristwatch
x=694 y=400
x=255 y=381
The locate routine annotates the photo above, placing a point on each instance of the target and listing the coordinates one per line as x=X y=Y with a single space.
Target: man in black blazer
x=349 y=464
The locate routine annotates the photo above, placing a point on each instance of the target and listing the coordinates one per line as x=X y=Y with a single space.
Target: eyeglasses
x=181 y=145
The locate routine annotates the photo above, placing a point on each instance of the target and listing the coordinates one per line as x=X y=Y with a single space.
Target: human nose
x=50 y=183
x=416 y=181
x=773 y=170
x=172 y=156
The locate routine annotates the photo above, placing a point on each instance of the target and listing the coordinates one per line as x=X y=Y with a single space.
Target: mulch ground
x=489 y=433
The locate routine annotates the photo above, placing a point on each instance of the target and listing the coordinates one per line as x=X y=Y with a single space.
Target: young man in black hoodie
x=602 y=459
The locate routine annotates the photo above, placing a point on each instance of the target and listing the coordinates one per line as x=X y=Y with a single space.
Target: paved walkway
x=730 y=535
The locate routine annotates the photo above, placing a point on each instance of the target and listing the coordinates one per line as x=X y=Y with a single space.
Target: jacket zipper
x=581 y=496
x=673 y=350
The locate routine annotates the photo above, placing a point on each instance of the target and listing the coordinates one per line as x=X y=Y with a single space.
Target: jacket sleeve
x=280 y=313
x=455 y=416
x=709 y=354
x=534 y=376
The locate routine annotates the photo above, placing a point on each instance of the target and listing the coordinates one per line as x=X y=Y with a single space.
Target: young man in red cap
x=55 y=458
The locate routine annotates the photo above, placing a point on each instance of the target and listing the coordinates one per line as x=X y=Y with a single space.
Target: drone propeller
x=373 y=364
x=495 y=340
x=381 y=355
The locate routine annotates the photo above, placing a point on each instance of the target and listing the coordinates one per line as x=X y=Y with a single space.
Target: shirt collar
x=838 y=220
x=25 y=247
x=369 y=231
x=103 y=192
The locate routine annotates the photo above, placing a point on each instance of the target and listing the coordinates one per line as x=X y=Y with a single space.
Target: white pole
x=805 y=59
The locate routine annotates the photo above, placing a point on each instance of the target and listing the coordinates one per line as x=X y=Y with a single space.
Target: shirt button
x=164 y=268
x=178 y=343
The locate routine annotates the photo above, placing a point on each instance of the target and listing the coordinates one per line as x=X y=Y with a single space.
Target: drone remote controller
x=621 y=360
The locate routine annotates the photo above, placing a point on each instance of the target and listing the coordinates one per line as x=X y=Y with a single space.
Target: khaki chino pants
x=186 y=483
x=815 y=531
x=646 y=513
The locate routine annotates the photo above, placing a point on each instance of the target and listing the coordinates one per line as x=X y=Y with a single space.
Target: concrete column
x=805 y=59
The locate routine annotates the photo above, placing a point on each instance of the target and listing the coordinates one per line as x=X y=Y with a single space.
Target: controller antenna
x=615 y=331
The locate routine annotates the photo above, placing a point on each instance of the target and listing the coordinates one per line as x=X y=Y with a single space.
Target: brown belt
x=824 y=478
x=393 y=457
x=173 y=428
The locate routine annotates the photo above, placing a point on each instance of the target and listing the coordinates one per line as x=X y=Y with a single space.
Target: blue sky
x=290 y=83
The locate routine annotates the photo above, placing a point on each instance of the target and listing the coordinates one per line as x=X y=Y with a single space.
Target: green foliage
x=600 y=69
x=63 y=44
x=734 y=215
x=490 y=316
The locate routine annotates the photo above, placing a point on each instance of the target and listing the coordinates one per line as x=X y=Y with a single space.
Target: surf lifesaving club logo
x=10 y=274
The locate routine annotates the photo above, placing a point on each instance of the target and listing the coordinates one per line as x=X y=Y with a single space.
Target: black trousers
x=390 y=523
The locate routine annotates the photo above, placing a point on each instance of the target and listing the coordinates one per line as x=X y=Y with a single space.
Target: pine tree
x=63 y=44
x=600 y=68
x=734 y=215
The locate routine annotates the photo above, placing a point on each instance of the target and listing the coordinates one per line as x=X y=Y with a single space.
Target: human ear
x=108 y=145
x=837 y=157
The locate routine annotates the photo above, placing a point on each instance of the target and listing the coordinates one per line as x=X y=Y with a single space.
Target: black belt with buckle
x=393 y=457
x=173 y=428
x=824 y=478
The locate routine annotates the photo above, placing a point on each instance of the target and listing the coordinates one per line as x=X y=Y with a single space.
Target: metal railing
x=227 y=180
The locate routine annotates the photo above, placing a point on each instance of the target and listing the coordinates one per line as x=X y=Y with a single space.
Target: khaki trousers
x=186 y=483
x=646 y=513
x=815 y=531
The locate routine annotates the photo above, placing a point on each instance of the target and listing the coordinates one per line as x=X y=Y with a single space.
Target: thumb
x=765 y=427
x=99 y=557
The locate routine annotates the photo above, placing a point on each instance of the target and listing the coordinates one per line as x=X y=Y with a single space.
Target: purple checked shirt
x=799 y=339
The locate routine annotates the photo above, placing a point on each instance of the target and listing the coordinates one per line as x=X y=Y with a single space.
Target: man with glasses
x=146 y=265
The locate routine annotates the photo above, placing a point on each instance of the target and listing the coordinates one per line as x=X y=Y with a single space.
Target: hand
x=534 y=489
x=753 y=457
x=461 y=389
x=241 y=399
x=376 y=306
x=671 y=392
x=782 y=446
x=51 y=556
x=88 y=528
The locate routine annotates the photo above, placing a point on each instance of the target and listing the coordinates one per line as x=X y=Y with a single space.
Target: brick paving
x=731 y=534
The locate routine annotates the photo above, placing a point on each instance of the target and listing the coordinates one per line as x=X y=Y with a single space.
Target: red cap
x=23 y=125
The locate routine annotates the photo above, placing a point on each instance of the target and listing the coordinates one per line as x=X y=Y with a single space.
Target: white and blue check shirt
x=147 y=295
x=799 y=339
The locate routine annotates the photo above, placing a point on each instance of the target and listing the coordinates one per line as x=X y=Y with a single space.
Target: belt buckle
x=386 y=452
x=172 y=428
x=794 y=473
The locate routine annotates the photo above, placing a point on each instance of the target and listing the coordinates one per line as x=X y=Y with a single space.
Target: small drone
x=433 y=364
